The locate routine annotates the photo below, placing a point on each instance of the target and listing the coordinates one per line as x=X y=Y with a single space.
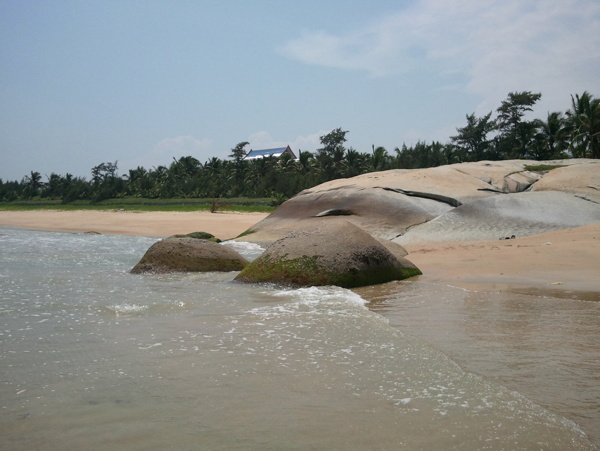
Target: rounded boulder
x=331 y=252
x=189 y=255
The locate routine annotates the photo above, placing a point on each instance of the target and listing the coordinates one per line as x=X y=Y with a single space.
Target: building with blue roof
x=265 y=153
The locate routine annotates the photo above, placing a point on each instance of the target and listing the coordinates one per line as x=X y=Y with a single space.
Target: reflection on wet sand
x=538 y=341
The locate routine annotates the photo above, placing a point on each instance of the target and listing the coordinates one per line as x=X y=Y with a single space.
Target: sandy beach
x=563 y=263
x=161 y=224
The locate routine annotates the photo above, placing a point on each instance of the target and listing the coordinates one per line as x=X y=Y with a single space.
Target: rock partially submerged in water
x=332 y=252
x=189 y=254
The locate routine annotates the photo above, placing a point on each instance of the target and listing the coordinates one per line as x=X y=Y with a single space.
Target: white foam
x=127 y=308
x=321 y=294
x=150 y=346
x=326 y=300
x=248 y=250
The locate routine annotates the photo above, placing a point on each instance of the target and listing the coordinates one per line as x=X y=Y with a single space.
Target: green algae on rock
x=332 y=252
x=198 y=236
x=189 y=255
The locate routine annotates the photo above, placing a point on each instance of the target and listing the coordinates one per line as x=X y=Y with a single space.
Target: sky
x=141 y=82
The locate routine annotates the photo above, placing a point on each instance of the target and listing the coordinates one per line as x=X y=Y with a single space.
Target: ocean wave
x=248 y=250
x=315 y=300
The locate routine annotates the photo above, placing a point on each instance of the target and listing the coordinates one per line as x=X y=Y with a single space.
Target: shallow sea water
x=543 y=346
x=92 y=357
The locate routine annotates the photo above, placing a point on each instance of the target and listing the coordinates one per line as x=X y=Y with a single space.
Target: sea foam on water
x=94 y=357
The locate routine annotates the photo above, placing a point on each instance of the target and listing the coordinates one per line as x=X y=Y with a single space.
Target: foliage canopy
x=509 y=135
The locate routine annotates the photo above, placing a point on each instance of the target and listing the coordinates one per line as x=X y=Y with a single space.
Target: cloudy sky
x=142 y=82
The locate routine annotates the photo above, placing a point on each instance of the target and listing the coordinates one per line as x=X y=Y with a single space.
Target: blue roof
x=266 y=152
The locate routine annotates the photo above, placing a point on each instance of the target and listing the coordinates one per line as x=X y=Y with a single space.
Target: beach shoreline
x=223 y=225
x=559 y=263
x=562 y=263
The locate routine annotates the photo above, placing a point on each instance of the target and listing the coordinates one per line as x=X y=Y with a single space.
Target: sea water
x=93 y=357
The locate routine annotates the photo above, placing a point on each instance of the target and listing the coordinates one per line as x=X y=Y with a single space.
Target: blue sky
x=141 y=82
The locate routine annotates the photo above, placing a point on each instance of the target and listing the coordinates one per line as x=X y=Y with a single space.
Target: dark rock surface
x=189 y=254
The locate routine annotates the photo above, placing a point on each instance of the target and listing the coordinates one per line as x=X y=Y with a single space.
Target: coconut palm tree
x=551 y=138
x=34 y=180
x=305 y=162
x=584 y=125
x=355 y=163
x=52 y=188
x=380 y=159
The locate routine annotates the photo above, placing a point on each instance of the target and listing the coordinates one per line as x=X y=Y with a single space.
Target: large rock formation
x=476 y=199
x=581 y=180
x=189 y=254
x=330 y=252
x=492 y=218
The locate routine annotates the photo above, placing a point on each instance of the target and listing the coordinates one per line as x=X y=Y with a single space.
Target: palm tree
x=52 y=188
x=305 y=160
x=213 y=165
x=256 y=173
x=355 y=163
x=380 y=159
x=186 y=166
x=551 y=138
x=286 y=163
x=584 y=124
x=139 y=182
x=31 y=185
x=34 y=181
x=404 y=157
x=160 y=181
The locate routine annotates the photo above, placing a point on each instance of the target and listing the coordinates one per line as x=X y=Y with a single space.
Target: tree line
x=505 y=135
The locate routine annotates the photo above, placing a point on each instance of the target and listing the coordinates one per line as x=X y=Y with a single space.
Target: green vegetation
x=302 y=271
x=247 y=232
x=308 y=271
x=264 y=183
x=198 y=236
x=259 y=205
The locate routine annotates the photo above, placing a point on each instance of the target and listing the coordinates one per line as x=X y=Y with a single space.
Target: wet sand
x=562 y=263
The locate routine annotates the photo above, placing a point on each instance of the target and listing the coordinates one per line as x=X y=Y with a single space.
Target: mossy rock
x=198 y=236
x=334 y=252
x=189 y=255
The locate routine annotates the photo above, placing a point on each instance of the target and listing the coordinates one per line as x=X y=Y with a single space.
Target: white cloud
x=548 y=47
x=264 y=140
x=163 y=152
x=308 y=143
x=499 y=46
